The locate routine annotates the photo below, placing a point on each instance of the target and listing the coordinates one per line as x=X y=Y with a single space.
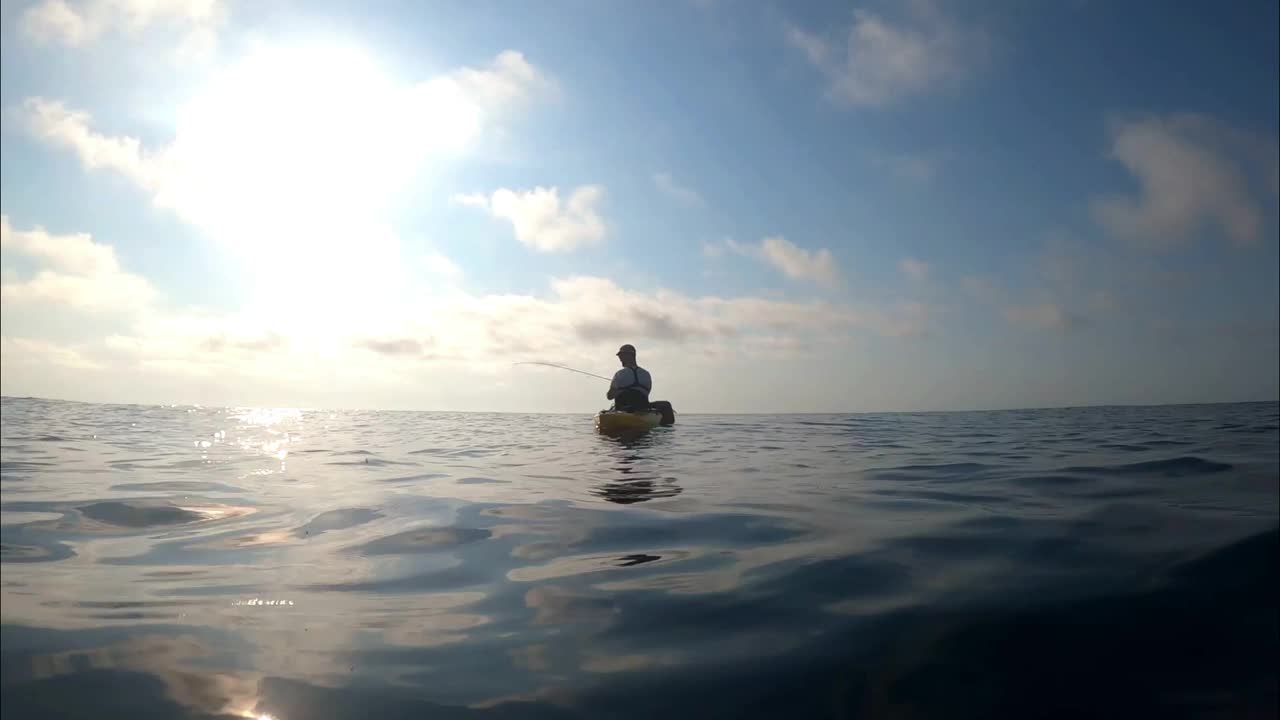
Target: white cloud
x=419 y=337
x=437 y=264
x=78 y=23
x=55 y=20
x=453 y=347
x=464 y=332
x=256 y=166
x=800 y=264
x=541 y=220
x=394 y=347
x=119 y=291
x=917 y=270
x=200 y=45
x=785 y=256
x=905 y=319
x=39 y=353
x=478 y=200
x=1069 y=285
x=580 y=315
x=882 y=61
x=73 y=253
x=1194 y=173
x=296 y=179
x=680 y=193
x=508 y=79
x=74 y=271
x=57 y=125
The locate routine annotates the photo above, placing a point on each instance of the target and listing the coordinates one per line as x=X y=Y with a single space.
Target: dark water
x=189 y=562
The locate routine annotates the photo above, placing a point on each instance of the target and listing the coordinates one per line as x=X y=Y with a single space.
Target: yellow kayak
x=617 y=421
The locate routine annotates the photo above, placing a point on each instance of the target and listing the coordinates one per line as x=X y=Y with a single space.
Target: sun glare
x=285 y=132
x=295 y=157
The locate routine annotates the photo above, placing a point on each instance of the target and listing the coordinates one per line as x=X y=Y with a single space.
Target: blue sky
x=786 y=206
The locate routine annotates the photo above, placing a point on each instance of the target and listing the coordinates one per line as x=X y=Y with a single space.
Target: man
x=630 y=388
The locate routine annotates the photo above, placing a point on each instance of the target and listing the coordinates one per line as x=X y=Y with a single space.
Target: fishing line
x=562 y=367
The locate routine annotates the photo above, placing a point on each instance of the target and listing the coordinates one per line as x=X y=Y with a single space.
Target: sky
x=786 y=207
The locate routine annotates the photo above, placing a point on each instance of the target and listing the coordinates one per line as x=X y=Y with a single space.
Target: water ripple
x=233 y=562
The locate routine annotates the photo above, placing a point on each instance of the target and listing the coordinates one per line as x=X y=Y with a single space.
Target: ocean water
x=187 y=562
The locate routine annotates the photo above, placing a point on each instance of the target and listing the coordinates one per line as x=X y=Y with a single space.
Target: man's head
x=627 y=355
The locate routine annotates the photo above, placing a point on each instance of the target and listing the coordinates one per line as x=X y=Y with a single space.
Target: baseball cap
x=628 y=348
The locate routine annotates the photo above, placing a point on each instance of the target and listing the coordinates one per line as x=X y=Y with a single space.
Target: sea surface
x=191 y=562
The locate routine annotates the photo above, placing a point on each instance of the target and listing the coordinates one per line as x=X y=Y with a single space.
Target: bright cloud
x=881 y=61
x=318 y=169
x=439 y=265
x=36 y=353
x=800 y=264
x=197 y=344
x=510 y=78
x=684 y=195
x=394 y=347
x=302 y=178
x=73 y=270
x=580 y=315
x=414 y=331
x=541 y=220
x=476 y=200
x=457 y=331
x=55 y=20
x=1194 y=173
x=78 y=23
x=1073 y=283
x=60 y=126
x=786 y=257
x=251 y=163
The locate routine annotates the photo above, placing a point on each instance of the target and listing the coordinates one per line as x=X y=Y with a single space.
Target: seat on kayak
x=668 y=412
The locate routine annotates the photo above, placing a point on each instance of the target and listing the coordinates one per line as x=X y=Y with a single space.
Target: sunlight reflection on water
x=429 y=563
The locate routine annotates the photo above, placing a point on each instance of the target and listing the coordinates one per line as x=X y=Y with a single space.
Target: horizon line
x=678 y=412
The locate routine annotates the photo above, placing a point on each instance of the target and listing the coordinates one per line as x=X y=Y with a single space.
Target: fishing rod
x=562 y=367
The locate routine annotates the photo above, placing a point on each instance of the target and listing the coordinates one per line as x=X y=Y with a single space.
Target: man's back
x=628 y=377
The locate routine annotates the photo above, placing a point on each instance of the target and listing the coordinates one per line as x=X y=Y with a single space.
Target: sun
x=295 y=156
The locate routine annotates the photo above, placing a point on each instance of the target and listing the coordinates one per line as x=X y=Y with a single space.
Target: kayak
x=618 y=421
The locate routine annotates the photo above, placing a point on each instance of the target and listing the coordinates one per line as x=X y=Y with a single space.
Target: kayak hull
x=617 y=421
